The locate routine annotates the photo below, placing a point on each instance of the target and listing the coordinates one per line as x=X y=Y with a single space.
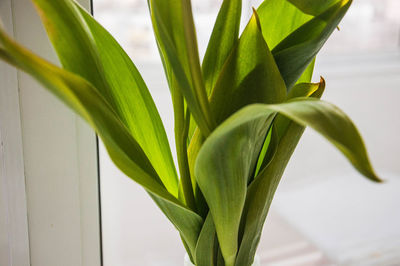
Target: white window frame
x=49 y=181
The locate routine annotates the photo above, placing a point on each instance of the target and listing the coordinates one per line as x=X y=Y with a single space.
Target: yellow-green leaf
x=124 y=150
x=88 y=50
x=250 y=75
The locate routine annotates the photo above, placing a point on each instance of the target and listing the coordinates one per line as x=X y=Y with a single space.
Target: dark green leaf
x=296 y=52
x=279 y=18
x=313 y=7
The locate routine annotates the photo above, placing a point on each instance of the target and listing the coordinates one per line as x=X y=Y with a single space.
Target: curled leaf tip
x=376 y=178
x=322 y=81
x=345 y=2
x=255 y=16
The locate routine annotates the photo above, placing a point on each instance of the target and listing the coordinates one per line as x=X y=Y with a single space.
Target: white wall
x=59 y=166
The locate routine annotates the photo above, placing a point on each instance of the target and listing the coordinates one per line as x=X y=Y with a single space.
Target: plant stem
x=181 y=133
x=194 y=65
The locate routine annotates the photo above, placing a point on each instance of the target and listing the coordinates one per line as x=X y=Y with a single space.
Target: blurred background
x=324 y=212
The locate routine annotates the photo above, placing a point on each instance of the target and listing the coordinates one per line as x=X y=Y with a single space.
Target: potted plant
x=238 y=115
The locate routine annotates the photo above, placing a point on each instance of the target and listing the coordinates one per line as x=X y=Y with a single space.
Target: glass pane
x=324 y=212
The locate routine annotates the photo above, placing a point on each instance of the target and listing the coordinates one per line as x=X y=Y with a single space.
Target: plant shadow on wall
x=238 y=115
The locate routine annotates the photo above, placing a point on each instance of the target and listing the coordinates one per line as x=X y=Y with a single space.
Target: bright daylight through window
x=323 y=213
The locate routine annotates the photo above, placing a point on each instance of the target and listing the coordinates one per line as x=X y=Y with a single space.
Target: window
x=319 y=185
x=324 y=213
x=49 y=207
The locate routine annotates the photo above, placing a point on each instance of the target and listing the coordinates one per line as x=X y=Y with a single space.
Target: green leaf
x=175 y=34
x=87 y=49
x=281 y=122
x=278 y=19
x=226 y=159
x=307 y=74
x=187 y=222
x=334 y=125
x=193 y=150
x=223 y=168
x=124 y=150
x=260 y=193
x=250 y=75
x=305 y=89
x=249 y=68
x=296 y=52
x=181 y=129
x=327 y=120
x=267 y=152
x=313 y=7
x=223 y=38
x=205 y=248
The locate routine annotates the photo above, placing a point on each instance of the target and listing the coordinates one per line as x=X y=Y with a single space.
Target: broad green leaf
x=260 y=193
x=299 y=90
x=327 y=120
x=87 y=49
x=223 y=168
x=296 y=51
x=225 y=159
x=313 y=7
x=278 y=19
x=334 y=125
x=281 y=122
x=249 y=68
x=250 y=75
x=205 y=249
x=223 y=38
x=175 y=34
x=124 y=150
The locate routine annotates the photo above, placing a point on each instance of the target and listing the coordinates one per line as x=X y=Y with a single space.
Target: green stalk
x=194 y=65
x=181 y=133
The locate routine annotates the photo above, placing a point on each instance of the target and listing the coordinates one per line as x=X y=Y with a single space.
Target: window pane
x=324 y=212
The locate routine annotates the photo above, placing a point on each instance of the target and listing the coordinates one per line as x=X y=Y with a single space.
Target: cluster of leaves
x=238 y=116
